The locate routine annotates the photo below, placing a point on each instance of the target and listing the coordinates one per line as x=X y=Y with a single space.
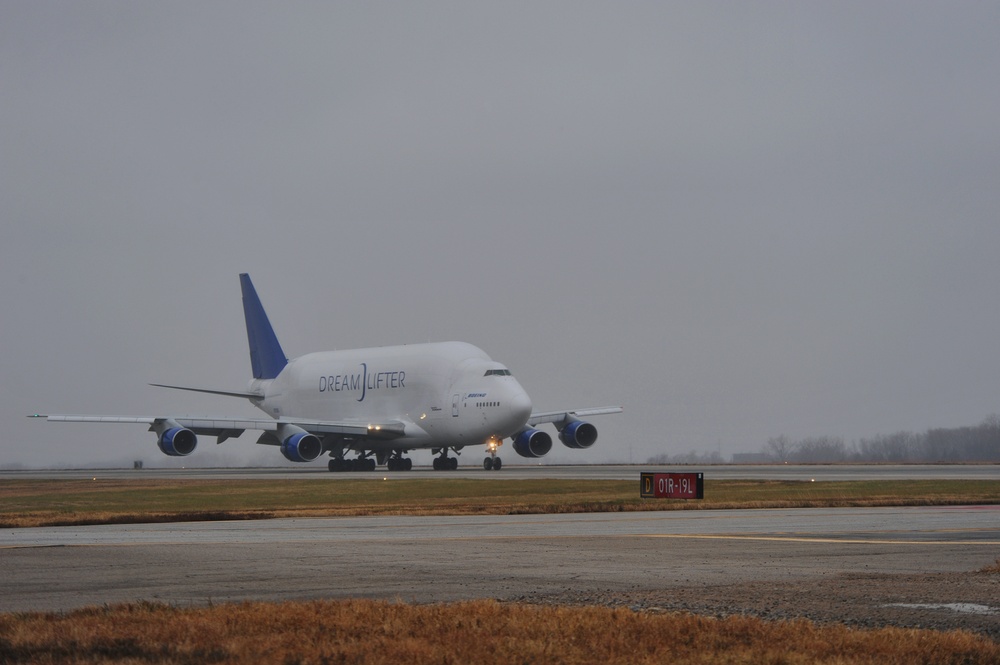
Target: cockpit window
x=497 y=372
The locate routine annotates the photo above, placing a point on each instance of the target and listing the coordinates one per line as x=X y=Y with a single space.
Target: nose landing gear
x=492 y=463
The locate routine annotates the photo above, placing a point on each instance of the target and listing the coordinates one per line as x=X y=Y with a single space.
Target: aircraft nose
x=520 y=406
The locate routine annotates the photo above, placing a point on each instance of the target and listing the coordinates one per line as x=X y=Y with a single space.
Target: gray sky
x=738 y=220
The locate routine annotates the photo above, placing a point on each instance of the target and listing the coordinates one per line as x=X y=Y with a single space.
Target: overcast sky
x=738 y=220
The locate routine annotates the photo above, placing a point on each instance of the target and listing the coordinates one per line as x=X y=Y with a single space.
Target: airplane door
x=454 y=405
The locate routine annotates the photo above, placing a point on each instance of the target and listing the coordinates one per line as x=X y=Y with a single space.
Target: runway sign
x=672 y=485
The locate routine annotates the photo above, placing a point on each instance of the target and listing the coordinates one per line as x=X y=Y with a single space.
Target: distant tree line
x=692 y=457
x=962 y=444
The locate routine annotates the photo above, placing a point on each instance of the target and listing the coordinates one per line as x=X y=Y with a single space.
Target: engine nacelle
x=578 y=434
x=301 y=447
x=532 y=443
x=177 y=442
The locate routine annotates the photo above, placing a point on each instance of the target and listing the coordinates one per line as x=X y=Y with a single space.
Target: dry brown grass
x=362 y=631
x=993 y=568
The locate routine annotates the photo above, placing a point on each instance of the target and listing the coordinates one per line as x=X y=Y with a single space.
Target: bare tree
x=898 y=447
x=821 y=449
x=980 y=443
x=779 y=448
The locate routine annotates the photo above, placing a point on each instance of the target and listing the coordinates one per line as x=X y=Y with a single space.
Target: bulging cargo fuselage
x=445 y=394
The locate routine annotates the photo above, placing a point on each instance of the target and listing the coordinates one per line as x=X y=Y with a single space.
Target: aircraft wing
x=227 y=427
x=562 y=416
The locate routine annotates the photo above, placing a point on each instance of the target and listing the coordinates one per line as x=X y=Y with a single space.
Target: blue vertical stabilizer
x=266 y=356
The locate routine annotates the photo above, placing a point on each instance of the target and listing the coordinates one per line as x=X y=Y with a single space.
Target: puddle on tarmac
x=964 y=608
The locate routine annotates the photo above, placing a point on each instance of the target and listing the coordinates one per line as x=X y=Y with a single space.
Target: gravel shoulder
x=948 y=601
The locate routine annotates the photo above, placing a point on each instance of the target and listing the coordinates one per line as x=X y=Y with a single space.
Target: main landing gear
x=399 y=463
x=339 y=464
x=443 y=462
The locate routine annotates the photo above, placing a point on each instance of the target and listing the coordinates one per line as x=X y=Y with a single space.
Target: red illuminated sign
x=672 y=485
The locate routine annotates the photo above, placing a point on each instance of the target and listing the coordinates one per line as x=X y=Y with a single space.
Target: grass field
x=61 y=502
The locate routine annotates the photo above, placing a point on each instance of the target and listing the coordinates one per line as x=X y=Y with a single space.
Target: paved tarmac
x=518 y=557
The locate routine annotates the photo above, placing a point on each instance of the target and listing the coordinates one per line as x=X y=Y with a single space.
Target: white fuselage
x=445 y=394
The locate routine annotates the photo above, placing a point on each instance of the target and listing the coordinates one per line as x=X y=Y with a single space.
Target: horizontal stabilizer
x=211 y=392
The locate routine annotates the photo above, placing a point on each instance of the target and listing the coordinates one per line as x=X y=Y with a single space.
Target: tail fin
x=266 y=356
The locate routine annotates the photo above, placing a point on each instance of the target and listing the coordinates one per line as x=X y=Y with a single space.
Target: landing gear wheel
x=363 y=464
x=445 y=463
x=497 y=464
x=488 y=463
x=399 y=464
x=339 y=464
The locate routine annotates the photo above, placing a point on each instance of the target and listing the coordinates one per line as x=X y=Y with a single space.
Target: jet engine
x=578 y=434
x=177 y=441
x=301 y=447
x=532 y=443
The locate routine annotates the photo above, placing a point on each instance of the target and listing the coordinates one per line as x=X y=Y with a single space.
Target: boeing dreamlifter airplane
x=379 y=403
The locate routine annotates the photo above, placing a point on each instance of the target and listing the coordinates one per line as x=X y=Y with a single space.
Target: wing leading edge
x=540 y=417
x=225 y=427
